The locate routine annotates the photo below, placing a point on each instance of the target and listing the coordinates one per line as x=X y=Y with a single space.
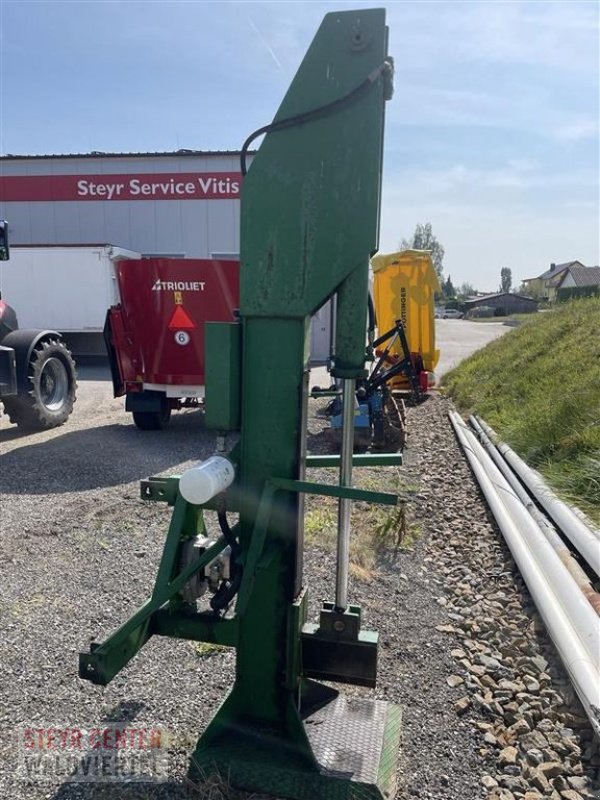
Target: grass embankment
x=539 y=388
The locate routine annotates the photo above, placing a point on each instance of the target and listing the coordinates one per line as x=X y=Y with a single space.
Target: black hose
x=228 y=589
x=372 y=314
x=226 y=530
x=226 y=592
x=386 y=68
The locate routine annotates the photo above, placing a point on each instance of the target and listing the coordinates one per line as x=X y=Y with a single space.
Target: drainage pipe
x=575 y=639
x=557 y=576
x=546 y=527
x=585 y=538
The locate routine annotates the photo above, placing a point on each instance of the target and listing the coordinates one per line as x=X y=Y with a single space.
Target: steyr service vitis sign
x=142 y=186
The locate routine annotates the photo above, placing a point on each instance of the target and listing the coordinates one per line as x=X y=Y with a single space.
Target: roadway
x=459 y=338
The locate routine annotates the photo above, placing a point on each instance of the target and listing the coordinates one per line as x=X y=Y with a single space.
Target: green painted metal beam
x=358 y=460
x=327 y=490
x=160 y=489
x=205 y=627
x=223 y=357
x=311 y=198
x=166 y=490
x=109 y=658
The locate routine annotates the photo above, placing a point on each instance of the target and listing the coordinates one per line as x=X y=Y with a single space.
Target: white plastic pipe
x=544 y=524
x=576 y=639
x=585 y=538
x=556 y=573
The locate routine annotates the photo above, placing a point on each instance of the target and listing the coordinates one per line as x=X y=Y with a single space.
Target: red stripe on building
x=109 y=188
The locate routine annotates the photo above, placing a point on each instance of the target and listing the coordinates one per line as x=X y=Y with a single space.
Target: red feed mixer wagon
x=155 y=335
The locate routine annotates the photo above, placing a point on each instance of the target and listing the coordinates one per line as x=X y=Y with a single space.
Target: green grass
x=320 y=526
x=539 y=388
x=375 y=530
x=203 y=649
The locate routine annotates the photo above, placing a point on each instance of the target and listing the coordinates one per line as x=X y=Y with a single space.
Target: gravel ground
x=487 y=710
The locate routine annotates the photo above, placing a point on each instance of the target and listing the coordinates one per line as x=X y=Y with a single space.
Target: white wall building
x=182 y=204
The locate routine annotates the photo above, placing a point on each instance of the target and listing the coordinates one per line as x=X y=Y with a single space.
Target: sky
x=492 y=133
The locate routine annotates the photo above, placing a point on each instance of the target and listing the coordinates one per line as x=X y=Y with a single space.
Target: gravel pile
x=487 y=710
x=533 y=737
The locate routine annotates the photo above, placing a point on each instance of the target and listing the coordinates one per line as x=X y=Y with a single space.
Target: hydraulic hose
x=372 y=317
x=228 y=589
x=386 y=69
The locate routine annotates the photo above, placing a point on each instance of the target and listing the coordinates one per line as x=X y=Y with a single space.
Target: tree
x=505 y=279
x=465 y=290
x=448 y=290
x=423 y=239
x=525 y=290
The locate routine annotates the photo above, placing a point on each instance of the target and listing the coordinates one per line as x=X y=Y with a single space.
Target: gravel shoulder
x=462 y=650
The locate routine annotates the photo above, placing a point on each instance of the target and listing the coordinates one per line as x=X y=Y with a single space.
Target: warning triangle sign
x=181 y=320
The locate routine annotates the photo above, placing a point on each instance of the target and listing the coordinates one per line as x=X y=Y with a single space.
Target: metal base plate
x=348 y=738
x=355 y=743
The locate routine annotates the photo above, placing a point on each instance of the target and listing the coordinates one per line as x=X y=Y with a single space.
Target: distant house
x=579 y=277
x=544 y=286
x=503 y=304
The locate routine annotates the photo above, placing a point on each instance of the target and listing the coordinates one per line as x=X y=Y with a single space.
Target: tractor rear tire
x=153 y=420
x=51 y=387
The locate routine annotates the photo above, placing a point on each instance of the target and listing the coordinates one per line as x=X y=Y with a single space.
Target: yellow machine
x=404 y=287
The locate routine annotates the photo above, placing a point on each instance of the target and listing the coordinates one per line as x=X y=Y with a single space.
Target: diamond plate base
x=355 y=743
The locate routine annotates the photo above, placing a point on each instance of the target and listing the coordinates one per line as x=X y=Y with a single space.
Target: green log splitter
x=309 y=223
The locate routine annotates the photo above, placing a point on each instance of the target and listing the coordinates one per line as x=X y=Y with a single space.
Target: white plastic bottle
x=202 y=482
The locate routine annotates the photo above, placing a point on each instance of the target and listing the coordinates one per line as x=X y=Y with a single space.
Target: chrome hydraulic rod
x=345 y=505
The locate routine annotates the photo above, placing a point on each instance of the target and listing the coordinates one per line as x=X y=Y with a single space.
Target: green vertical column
x=274 y=355
x=351 y=324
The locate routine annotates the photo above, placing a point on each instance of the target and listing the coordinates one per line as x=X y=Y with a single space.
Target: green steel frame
x=309 y=223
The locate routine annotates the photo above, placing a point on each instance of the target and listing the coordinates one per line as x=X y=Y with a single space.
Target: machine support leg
x=345 y=504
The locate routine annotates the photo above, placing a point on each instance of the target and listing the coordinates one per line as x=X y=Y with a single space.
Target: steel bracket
x=331 y=658
x=358 y=460
x=107 y=659
x=327 y=490
x=166 y=490
x=160 y=490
